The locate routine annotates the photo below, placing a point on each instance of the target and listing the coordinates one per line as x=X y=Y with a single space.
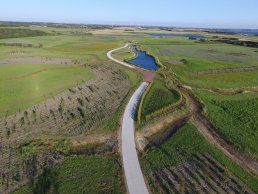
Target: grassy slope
x=23 y=85
x=79 y=174
x=235 y=117
x=181 y=147
x=114 y=121
x=158 y=97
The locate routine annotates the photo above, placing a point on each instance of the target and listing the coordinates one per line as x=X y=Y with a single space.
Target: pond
x=143 y=60
x=178 y=35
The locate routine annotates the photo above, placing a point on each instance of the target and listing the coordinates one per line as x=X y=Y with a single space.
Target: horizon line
x=126 y=25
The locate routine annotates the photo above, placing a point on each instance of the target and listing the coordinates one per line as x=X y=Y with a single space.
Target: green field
x=158 y=97
x=182 y=147
x=123 y=54
x=205 y=56
x=23 y=85
x=79 y=174
x=17 y=33
x=235 y=117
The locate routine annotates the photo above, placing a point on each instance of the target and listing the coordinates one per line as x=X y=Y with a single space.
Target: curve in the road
x=132 y=170
x=109 y=55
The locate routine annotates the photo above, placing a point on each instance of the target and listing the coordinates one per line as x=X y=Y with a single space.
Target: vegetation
x=47 y=106
x=18 y=33
x=79 y=174
x=113 y=122
x=186 y=58
x=158 y=97
x=123 y=54
x=184 y=146
x=235 y=117
x=23 y=85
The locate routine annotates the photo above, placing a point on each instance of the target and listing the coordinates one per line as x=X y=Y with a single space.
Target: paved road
x=132 y=170
x=133 y=173
x=109 y=55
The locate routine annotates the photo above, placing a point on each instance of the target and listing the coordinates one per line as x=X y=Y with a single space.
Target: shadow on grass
x=46 y=183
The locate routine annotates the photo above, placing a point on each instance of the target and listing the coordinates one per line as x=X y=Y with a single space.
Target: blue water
x=243 y=32
x=144 y=60
x=178 y=35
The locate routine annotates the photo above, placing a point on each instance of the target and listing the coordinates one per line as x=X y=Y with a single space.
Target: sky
x=174 y=13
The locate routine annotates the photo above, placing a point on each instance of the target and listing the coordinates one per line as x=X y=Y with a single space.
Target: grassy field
x=158 y=97
x=17 y=33
x=183 y=146
x=123 y=54
x=40 y=81
x=235 y=117
x=62 y=46
x=79 y=174
x=205 y=56
x=23 y=85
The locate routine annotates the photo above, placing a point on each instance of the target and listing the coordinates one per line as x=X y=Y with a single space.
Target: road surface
x=109 y=55
x=132 y=170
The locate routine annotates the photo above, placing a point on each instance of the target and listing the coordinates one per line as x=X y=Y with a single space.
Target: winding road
x=109 y=55
x=132 y=170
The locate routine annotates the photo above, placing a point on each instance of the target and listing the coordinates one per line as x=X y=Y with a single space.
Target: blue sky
x=180 y=13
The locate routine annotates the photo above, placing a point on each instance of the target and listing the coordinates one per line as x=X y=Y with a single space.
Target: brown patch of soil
x=148 y=75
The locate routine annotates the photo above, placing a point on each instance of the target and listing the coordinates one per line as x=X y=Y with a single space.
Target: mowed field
x=23 y=85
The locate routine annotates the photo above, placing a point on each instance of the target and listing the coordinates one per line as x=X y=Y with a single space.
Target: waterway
x=144 y=60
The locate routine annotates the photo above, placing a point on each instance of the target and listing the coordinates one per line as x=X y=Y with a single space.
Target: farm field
x=235 y=118
x=79 y=174
x=187 y=163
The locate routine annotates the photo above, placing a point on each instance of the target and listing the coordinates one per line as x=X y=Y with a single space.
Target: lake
x=178 y=35
x=239 y=31
x=143 y=60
